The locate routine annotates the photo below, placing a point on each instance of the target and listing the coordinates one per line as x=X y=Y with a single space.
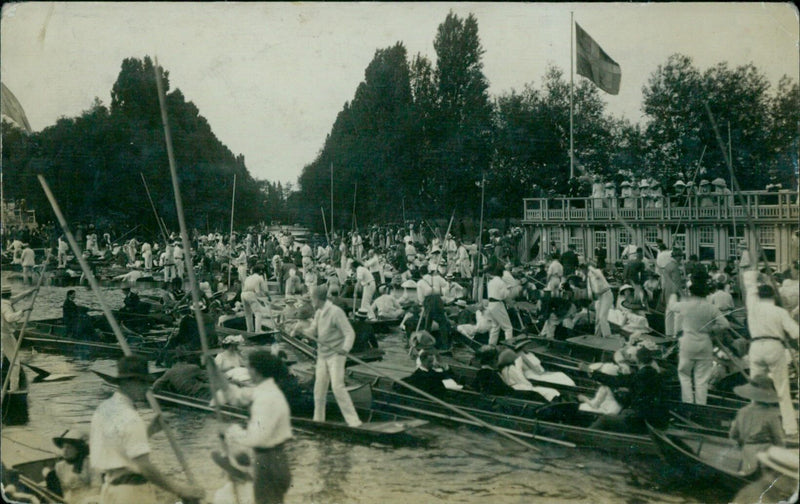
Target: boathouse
x=709 y=225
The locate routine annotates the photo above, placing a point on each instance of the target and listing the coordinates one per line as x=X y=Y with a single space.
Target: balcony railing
x=768 y=205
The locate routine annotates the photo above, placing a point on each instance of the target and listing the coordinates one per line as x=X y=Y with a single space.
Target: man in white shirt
x=28 y=263
x=600 y=292
x=335 y=338
x=147 y=255
x=63 y=248
x=177 y=254
x=254 y=288
x=9 y=319
x=268 y=429
x=120 y=451
x=368 y=287
x=555 y=275
x=496 y=312
x=769 y=326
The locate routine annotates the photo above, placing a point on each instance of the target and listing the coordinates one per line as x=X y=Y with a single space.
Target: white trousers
x=768 y=357
x=330 y=371
x=497 y=315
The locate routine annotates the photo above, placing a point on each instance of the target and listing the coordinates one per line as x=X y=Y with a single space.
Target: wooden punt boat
x=712 y=459
x=27 y=479
x=378 y=427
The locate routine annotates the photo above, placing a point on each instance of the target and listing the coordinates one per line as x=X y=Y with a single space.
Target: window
x=624 y=237
x=679 y=241
x=601 y=239
x=578 y=242
x=766 y=235
x=650 y=234
x=707 y=243
x=555 y=241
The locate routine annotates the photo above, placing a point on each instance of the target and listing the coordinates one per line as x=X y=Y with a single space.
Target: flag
x=10 y=107
x=593 y=63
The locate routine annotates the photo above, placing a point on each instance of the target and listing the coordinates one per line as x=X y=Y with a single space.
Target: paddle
x=439 y=401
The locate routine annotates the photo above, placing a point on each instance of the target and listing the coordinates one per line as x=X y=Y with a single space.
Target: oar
x=18 y=345
x=438 y=401
x=113 y=322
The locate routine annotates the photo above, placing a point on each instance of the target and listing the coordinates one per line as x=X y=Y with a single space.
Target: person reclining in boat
x=365 y=335
x=626 y=314
x=645 y=402
x=184 y=377
x=71 y=476
x=430 y=376
x=605 y=400
x=512 y=371
x=487 y=379
x=77 y=323
x=757 y=426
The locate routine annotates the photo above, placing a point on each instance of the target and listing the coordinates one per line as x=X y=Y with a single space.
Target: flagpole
x=571 y=85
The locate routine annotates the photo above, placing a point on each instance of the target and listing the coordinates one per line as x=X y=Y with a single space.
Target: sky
x=271 y=77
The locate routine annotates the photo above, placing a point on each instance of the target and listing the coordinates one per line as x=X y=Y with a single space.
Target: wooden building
x=709 y=225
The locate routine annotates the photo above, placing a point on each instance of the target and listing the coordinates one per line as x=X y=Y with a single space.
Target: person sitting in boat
x=627 y=311
x=757 y=426
x=387 y=305
x=71 y=476
x=77 y=323
x=231 y=355
x=132 y=303
x=604 y=401
x=512 y=371
x=430 y=376
x=652 y=288
x=365 y=335
x=184 y=377
x=645 y=403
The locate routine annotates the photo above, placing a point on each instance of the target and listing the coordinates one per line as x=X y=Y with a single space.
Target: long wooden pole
x=324 y=223
x=696 y=171
x=18 y=344
x=112 y=321
x=195 y=291
x=439 y=401
x=355 y=196
x=571 y=86
x=730 y=156
x=153 y=206
x=230 y=240
x=332 y=218
x=478 y=276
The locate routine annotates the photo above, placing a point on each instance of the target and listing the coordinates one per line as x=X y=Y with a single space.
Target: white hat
x=782 y=460
x=680 y=183
x=644 y=183
x=409 y=284
x=233 y=339
x=718 y=182
x=625 y=287
x=704 y=182
x=625 y=183
x=609 y=185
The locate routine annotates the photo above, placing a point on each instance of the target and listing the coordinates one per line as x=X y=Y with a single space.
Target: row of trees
x=420 y=136
x=95 y=163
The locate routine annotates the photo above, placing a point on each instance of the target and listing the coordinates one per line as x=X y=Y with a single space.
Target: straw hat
x=760 y=389
x=361 y=313
x=704 y=182
x=409 y=284
x=644 y=183
x=625 y=183
x=74 y=436
x=233 y=339
x=680 y=183
x=718 y=182
x=609 y=185
x=625 y=287
x=461 y=303
x=782 y=460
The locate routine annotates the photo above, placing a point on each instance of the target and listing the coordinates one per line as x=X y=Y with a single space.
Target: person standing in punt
x=335 y=338
x=268 y=429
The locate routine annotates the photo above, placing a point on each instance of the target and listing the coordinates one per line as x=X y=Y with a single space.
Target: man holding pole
x=335 y=337
x=120 y=450
x=9 y=317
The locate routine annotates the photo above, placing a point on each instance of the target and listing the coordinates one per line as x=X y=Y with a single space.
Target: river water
x=459 y=465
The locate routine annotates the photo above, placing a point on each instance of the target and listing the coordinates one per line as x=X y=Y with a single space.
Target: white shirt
x=270 y=422
x=28 y=257
x=118 y=435
x=255 y=283
x=363 y=276
x=497 y=289
x=555 y=269
x=764 y=318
